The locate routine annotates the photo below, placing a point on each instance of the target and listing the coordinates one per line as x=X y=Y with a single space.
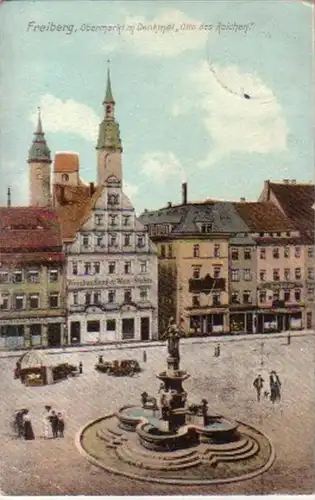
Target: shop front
x=279 y=320
x=31 y=332
x=208 y=324
x=241 y=322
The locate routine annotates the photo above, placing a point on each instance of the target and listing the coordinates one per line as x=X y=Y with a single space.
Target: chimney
x=169 y=204
x=293 y=181
x=286 y=181
x=184 y=193
x=91 y=190
x=242 y=199
x=267 y=190
x=9 y=197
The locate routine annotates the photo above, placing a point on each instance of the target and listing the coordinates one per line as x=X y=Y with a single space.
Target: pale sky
x=179 y=94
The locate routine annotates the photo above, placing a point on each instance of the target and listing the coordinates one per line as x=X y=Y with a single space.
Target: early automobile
x=119 y=367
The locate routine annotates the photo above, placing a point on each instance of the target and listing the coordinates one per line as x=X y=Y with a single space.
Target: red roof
x=31 y=258
x=29 y=229
x=296 y=201
x=263 y=216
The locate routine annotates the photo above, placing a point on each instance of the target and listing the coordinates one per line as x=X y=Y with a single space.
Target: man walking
x=54 y=424
x=258 y=384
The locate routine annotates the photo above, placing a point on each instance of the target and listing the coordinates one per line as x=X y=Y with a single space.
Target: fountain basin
x=154 y=438
x=179 y=375
x=220 y=431
x=130 y=416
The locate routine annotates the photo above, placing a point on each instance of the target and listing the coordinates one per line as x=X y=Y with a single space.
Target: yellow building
x=193 y=248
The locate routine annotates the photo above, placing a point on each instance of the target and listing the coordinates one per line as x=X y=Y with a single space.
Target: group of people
x=274 y=392
x=54 y=424
x=22 y=424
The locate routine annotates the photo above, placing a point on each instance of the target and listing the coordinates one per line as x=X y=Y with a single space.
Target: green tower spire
x=39 y=151
x=109 y=94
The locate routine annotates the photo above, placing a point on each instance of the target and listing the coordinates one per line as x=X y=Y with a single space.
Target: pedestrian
x=47 y=422
x=54 y=424
x=289 y=339
x=61 y=425
x=258 y=384
x=273 y=386
x=144 y=356
x=28 y=428
x=80 y=367
x=18 y=423
x=100 y=359
x=277 y=387
x=218 y=350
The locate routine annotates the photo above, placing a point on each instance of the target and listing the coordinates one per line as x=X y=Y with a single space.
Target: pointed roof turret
x=39 y=151
x=109 y=94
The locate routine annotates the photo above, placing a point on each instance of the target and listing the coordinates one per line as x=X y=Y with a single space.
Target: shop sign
x=110 y=283
x=30 y=321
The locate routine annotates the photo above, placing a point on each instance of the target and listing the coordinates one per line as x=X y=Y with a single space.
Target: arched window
x=65 y=177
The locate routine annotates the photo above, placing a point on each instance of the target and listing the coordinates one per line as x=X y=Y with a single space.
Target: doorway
x=309 y=320
x=145 y=328
x=75 y=332
x=54 y=335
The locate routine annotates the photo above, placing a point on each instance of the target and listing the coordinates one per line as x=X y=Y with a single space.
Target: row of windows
x=19 y=330
x=216 y=299
x=287 y=296
x=31 y=276
x=216 y=271
x=236 y=274
x=287 y=274
x=113 y=220
x=95 y=267
x=31 y=301
x=95 y=298
x=216 y=250
x=235 y=252
x=113 y=240
x=244 y=253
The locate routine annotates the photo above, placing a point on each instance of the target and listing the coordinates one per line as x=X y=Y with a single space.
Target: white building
x=111 y=262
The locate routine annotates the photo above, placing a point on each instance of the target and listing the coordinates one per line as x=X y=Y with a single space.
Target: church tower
x=109 y=147
x=39 y=169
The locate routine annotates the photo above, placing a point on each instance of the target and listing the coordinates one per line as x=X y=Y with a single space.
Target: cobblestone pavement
x=47 y=467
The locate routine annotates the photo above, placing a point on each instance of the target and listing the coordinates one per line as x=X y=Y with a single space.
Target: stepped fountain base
x=163 y=457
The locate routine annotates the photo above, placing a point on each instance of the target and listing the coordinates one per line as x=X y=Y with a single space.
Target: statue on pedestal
x=173 y=335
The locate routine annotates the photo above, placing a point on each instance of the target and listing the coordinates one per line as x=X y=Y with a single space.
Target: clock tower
x=39 y=168
x=109 y=147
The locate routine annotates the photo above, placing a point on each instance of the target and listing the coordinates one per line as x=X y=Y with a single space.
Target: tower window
x=108 y=109
x=65 y=177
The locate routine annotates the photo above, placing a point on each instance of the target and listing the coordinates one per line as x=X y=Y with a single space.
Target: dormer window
x=85 y=241
x=206 y=228
x=65 y=177
x=113 y=199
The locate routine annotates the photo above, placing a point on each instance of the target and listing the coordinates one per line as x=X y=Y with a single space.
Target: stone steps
x=212 y=457
x=133 y=457
x=166 y=456
x=225 y=446
x=110 y=438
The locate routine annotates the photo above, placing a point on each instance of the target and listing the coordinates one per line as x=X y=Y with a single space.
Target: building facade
x=111 y=263
x=194 y=266
x=32 y=302
x=297 y=201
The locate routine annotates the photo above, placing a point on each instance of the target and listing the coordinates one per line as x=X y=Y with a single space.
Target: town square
x=55 y=466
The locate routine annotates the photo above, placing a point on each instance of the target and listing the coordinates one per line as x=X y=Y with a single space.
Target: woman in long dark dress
x=28 y=429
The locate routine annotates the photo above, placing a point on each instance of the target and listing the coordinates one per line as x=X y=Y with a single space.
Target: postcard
x=157 y=272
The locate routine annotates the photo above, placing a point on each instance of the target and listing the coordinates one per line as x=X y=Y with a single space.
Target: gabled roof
x=25 y=229
x=296 y=200
x=263 y=216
